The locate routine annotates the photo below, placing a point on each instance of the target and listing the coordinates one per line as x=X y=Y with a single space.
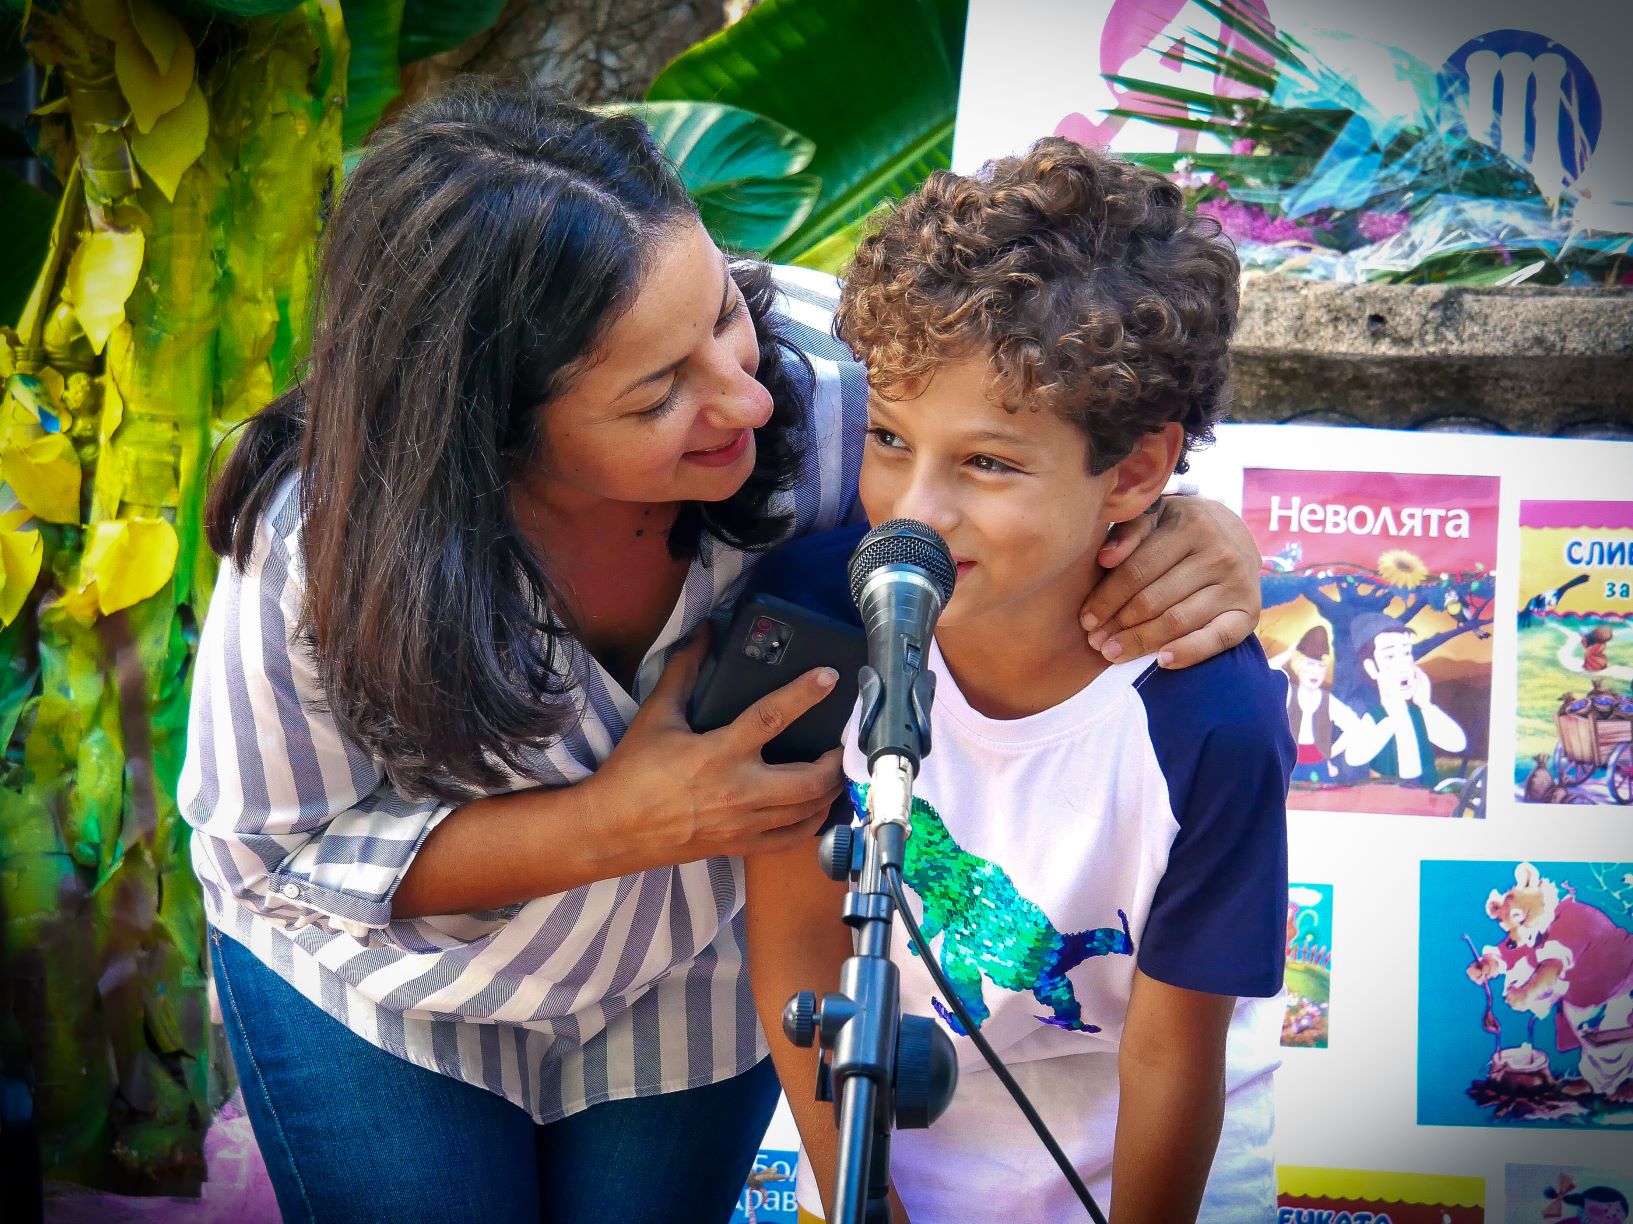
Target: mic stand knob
x=838 y=853
x=799 y=1019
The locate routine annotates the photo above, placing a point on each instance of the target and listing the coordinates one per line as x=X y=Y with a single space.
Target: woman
x=473 y=884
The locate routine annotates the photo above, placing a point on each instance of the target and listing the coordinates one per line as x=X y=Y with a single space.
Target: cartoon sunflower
x=1400 y=568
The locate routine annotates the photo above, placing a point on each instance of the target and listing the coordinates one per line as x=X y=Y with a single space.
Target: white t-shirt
x=1141 y=821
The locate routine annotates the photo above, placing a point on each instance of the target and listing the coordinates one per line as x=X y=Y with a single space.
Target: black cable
x=893 y=877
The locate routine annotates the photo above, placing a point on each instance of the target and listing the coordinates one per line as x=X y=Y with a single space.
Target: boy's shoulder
x=1236 y=690
x=1221 y=724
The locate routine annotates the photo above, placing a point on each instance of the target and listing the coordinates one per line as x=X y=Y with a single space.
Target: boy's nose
x=928 y=505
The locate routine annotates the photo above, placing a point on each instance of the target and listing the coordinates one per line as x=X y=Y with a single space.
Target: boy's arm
x=796 y=942
x=1171 y=1078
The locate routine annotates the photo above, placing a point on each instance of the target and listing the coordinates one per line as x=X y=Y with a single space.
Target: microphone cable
x=893 y=877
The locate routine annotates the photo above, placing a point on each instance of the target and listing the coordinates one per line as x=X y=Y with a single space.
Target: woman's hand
x=1181 y=580
x=671 y=795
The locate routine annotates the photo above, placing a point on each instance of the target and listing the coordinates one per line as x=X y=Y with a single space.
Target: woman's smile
x=722 y=456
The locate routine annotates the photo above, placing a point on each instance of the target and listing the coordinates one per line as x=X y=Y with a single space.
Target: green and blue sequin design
x=988 y=928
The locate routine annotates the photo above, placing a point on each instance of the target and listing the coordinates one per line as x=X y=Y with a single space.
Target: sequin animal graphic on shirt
x=989 y=929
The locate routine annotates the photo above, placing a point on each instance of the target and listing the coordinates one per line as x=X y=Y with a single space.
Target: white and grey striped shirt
x=625 y=987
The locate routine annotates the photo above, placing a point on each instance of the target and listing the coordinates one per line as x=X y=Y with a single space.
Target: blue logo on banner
x=769 y=1196
x=1530 y=97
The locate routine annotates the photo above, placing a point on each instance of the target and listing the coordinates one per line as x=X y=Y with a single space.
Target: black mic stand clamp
x=881 y=1069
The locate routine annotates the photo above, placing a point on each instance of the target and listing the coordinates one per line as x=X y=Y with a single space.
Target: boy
x=1099 y=847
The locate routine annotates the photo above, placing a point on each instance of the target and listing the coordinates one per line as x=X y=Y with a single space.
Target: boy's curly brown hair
x=1084 y=277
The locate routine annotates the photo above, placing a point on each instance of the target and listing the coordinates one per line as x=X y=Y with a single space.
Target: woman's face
x=667 y=410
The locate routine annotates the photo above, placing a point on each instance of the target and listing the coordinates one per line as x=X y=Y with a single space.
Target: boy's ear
x=1139 y=479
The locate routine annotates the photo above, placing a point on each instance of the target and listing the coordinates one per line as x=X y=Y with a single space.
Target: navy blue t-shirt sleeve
x=1218 y=920
x=813 y=572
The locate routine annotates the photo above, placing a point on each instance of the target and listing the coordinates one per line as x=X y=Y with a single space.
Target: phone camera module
x=767 y=640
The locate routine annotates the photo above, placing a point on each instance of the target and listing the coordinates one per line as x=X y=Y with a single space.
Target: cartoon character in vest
x=1312 y=711
x=1400 y=733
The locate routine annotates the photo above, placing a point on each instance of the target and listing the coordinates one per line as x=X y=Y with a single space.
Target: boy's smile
x=1010 y=492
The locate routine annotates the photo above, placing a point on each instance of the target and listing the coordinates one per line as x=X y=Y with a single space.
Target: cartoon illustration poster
x=1325 y=1196
x=1309 y=965
x=1565 y=1194
x=1575 y=649
x=1378 y=592
x=769 y=1197
x=1525 y=997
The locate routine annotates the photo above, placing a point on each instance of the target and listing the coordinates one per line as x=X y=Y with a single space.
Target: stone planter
x=1546 y=361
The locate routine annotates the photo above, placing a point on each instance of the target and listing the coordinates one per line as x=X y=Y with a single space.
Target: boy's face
x=1011 y=493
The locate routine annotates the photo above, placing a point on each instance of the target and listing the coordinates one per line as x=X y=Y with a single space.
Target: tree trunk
x=595 y=50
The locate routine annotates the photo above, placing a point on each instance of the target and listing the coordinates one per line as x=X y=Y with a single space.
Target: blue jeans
x=351 y=1132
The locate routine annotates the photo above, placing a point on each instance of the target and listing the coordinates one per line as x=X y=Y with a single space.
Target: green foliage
x=872 y=83
x=373 y=72
x=430 y=27
x=28 y=212
x=162 y=308
x=742 y=169
x=386 y=34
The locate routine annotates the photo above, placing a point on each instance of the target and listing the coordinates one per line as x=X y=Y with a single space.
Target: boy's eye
x=986 y=463
x=883 y=437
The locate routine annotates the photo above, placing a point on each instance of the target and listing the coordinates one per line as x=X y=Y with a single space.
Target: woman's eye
x=732 y=315
x=883 y=437
x=661 y=407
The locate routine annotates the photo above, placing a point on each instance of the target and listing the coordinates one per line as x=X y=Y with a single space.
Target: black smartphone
x=772 y=642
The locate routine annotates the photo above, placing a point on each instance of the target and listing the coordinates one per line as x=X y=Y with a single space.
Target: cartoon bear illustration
x=1563 y=956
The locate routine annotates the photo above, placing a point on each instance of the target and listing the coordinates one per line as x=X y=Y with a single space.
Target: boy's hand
x=1182 y=580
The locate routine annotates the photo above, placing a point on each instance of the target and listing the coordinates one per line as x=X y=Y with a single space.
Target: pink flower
x=1376 y=226
x=1242 y=145
x=1250 y=223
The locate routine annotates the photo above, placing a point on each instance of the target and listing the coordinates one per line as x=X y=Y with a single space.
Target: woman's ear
x=1139 y=479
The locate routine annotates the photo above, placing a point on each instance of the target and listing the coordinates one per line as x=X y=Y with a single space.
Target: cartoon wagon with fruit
x=1595 y=733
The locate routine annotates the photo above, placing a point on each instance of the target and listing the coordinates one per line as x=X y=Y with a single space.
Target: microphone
x=901 y=577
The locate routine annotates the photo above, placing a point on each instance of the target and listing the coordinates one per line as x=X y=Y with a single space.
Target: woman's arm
x=1171 y=1087
x=301 y=826
x=1183 y=580
x=665 y=795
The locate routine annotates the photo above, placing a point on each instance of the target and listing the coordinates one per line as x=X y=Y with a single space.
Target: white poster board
x=1396 y=1100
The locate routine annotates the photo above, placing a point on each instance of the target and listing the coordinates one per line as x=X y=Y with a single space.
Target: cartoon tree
x=1343 y=592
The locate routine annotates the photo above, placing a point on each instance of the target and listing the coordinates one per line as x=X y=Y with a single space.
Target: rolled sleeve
x=290 y=817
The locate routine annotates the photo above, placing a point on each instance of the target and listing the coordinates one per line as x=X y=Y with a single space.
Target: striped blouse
x=621 y=988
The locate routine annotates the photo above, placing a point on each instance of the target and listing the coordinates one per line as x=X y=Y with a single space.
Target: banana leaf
x=373 y=27
x=742 y=169
x=102 y=944
x=872 y=83
x=431 y=27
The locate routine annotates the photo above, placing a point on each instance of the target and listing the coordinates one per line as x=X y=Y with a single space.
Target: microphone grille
x=903 y=542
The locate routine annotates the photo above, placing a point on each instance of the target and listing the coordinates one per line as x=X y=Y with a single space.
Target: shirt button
x=289 y=890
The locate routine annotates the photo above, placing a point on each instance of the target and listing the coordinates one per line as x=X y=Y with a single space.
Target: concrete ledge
x=1526 y=360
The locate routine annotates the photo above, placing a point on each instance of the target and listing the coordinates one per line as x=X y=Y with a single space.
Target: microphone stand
x=883 y=1069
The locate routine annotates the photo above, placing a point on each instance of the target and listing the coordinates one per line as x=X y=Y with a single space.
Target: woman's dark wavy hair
x=476 y=255
x=1084 y=278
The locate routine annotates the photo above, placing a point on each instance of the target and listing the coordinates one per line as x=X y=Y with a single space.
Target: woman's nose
x=737 y=399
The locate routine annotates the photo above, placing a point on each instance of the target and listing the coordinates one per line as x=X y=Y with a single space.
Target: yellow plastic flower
x=1400 y=568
